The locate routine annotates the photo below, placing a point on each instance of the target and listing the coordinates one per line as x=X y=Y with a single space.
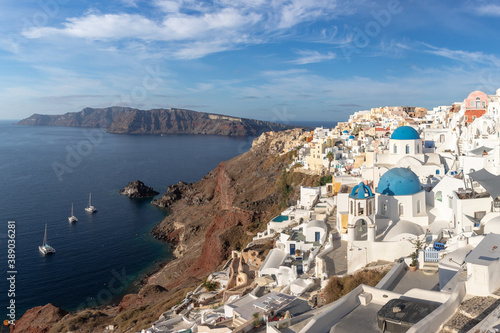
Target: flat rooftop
x=361 y=319
x=409 y=280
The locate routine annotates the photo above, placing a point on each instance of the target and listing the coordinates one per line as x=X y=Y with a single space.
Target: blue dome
x=345 y=131
x=399 y=181
x=405 y=133
x=352 y=137
x=361 y=191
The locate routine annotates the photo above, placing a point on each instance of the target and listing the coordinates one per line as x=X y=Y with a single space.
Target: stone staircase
x=238 y=322
x=430 y=268
x=331 y=221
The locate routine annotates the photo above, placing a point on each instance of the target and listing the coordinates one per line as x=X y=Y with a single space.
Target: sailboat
x=72 y=218
x=46 y=248
x=90 y=208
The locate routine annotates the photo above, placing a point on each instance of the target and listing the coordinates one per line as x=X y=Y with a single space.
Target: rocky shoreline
x=207 y=220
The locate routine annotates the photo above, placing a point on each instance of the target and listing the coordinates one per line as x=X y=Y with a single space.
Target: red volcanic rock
x=224 y=188
x=128 y=301
x=214 y=250
x=38 y=320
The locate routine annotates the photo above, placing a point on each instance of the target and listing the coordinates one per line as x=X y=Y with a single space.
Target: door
x=317 y=236
x=299 y=270
x=292 y=249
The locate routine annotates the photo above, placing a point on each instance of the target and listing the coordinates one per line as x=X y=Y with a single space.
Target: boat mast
x=45 y=235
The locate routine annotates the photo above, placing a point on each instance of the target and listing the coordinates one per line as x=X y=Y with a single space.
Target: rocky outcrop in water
x=138 y=190
x=124 y=120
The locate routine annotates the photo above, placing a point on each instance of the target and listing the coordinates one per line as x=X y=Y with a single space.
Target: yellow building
x=316 y=159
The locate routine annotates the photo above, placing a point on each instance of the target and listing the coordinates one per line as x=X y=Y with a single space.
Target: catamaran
x=72 y=218
x=46 y=248
x=90 y=208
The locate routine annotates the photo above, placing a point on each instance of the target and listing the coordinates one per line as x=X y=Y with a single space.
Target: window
x=360 y=209
x=352 y=207
x=369 y=208
x=418 y=149
x=418 y=206
x=439 y=196
x=450 y=203
x=478 y=102
x=384 y=207
x=437 y=172
x=401 y=209
x=441 y=138
x=395 y=149
x=479 y=215
x=471 y=103
x=466 y=118
x=473 y=117
x=484 y=104
x=407 y=149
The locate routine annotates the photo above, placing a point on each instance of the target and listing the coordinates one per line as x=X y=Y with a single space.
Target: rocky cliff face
x=38 y=320
x=157 y=121
x=207 y=220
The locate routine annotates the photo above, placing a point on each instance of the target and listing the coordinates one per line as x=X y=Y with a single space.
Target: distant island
x=124 y=120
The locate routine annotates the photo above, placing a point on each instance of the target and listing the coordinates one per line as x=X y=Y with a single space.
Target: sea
x=44 y=170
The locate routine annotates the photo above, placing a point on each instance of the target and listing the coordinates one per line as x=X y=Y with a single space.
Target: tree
x=330 y=158
x=418 y=243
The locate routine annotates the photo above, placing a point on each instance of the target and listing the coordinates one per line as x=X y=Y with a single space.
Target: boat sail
x=46 y=248
x=72 y=218
x=90 y=208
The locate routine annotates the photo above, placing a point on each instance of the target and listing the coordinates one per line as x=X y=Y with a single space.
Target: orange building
x=471 y=115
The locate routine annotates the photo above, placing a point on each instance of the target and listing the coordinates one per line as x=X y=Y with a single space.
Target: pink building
x=477 y=100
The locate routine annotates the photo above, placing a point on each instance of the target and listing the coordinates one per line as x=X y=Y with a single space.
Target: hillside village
x=409 y=193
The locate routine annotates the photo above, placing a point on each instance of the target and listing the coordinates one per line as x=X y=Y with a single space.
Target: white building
x=483 y=267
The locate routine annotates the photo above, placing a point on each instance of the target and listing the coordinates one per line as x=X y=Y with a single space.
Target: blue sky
x=281 y=60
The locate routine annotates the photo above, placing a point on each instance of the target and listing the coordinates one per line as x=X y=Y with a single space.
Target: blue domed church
x=400 y=196
x=405 y=150
x=361 y=218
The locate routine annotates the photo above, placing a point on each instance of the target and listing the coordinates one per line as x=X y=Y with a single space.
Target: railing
x=431 y=255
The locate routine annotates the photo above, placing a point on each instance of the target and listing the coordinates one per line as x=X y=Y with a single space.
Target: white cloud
x=464 y=56
x=284 y=72
x=130 y=3
x=488 y=10
x=189 y=24
x=311 y=56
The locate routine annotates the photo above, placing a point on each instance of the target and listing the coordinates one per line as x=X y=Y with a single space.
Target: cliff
x=207 y=220
x=122 y=120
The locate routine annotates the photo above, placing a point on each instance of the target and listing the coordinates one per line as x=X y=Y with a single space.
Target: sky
x=278 y=60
